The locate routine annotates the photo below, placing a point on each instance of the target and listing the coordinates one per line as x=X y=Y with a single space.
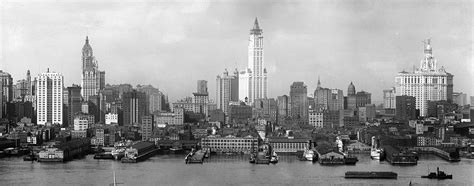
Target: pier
x=195 y=157
x=138 y=152
x=395 y=156
x=438 y=152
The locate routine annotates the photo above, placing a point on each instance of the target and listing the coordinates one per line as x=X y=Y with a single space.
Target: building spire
x=256 y=28
x=429 y=62
x=87 y=49
x=255 y=24
x=319 y=83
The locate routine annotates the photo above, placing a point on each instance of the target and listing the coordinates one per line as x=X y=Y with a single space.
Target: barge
x=139 y=152
x=371 y=175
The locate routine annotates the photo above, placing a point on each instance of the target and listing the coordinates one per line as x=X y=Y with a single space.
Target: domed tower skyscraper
x=427 y=83
x=351 y=90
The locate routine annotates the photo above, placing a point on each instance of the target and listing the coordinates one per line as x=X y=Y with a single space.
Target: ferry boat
x=119 y=149
x=375 y=151
x=440 y=175
x=118 y=153
x=104 y=155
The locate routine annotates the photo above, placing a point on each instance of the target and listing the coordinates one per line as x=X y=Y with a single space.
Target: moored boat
x=374 y=150
x=104 y=155
x=309 y=155
x=274 y=158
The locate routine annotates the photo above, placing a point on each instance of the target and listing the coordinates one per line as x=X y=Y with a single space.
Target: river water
x=223 y=170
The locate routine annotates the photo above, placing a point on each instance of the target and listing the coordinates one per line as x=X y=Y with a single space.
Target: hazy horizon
x=172 y=44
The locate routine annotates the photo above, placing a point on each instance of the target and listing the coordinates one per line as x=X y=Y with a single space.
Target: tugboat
x=440 y=175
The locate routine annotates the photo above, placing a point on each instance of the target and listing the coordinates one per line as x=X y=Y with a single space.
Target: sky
x=172 y=44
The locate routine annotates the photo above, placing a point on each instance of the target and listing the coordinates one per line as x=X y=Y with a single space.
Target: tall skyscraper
x=253 y=80
x=460 y=98
x=363 y=98
x=283 y=106
x=351 y=90
x=7 y=82
x=134 y=107
x=405 y=109
x=201 y=87
x=226 y=88
x=389 y=96
x=49 y=97
x=328 y=99
x=265 y=108
x=427 y=83
x=201 y=98
x=2 y=109
x=350 y=102
x=74 y=102
x=154 y=97
x=147 y=127
x=299 y=100
x=93 y=80
x=28 y=83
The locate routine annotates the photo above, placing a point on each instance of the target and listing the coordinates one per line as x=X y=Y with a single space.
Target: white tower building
x=253 y=80
x=49 y=97
x=427 y=83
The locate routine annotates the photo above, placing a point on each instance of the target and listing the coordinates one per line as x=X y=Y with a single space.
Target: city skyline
x=299 y=47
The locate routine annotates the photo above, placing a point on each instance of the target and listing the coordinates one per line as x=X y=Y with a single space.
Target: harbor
x=235 y=168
